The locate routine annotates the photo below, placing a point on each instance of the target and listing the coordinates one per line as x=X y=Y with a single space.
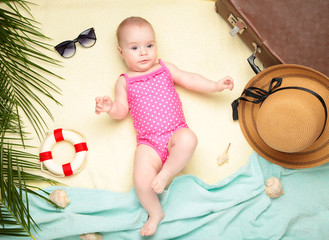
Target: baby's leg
x=147 y=165
x=181 y=147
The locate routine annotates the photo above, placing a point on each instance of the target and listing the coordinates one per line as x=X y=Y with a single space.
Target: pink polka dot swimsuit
x=155 y=108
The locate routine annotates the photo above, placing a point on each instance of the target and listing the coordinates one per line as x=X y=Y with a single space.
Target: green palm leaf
x=22 y=83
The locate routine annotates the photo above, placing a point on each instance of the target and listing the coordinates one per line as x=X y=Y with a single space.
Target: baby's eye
x=133 y=48
x=150 y=45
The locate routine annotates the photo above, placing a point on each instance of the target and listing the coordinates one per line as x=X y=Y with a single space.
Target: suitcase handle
x=251 y=59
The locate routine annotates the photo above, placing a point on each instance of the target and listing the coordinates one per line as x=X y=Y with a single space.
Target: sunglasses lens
x=66 y=49
x=87 y=38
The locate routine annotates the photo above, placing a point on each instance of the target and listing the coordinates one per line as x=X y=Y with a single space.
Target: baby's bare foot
x=160 y=181
x=151 y=225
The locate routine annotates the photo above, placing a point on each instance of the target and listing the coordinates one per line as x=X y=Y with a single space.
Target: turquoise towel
x=234 y=208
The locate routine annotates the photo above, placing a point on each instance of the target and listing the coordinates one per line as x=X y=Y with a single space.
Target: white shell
x=224 y=157
x=273 y=187
x=91 y=236
x=60 y=197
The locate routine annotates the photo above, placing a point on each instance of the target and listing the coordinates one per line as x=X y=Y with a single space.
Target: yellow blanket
x=189 y=34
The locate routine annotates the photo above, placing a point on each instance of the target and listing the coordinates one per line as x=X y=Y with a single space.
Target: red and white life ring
x=67 y=169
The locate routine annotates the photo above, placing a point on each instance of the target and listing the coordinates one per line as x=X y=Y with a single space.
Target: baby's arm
x=196 y=82
x=117 y=109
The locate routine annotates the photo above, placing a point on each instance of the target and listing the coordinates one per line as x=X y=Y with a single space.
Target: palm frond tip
x=23 y=85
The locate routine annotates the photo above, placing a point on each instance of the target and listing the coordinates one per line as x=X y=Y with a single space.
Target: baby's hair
x=131 y=21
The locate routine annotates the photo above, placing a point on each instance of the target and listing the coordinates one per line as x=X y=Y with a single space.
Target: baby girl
x=165 y=143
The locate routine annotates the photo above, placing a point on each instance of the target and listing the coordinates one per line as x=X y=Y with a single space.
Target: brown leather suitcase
x=281 y=31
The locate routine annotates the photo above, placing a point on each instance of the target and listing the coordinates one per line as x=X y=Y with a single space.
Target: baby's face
x=138 y=47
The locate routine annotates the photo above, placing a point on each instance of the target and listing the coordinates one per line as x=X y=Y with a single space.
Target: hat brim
x=292 y=75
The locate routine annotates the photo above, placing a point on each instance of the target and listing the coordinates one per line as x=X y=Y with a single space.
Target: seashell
x=273 y=187
x=224 y=157
x=60 y=197
x=91 y=236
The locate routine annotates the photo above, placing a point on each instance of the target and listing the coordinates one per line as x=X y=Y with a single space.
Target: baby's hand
x=225 y=83
x=103 y=104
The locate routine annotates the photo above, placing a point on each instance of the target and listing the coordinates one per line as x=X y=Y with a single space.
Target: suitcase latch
x=238 y=25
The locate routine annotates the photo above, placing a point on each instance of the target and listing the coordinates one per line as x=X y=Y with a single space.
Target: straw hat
x=283 y=115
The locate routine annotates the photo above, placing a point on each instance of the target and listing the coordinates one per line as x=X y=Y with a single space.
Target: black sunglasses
x=87 y=39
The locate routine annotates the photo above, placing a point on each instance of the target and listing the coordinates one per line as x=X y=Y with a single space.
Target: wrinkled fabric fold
x=234 y=208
